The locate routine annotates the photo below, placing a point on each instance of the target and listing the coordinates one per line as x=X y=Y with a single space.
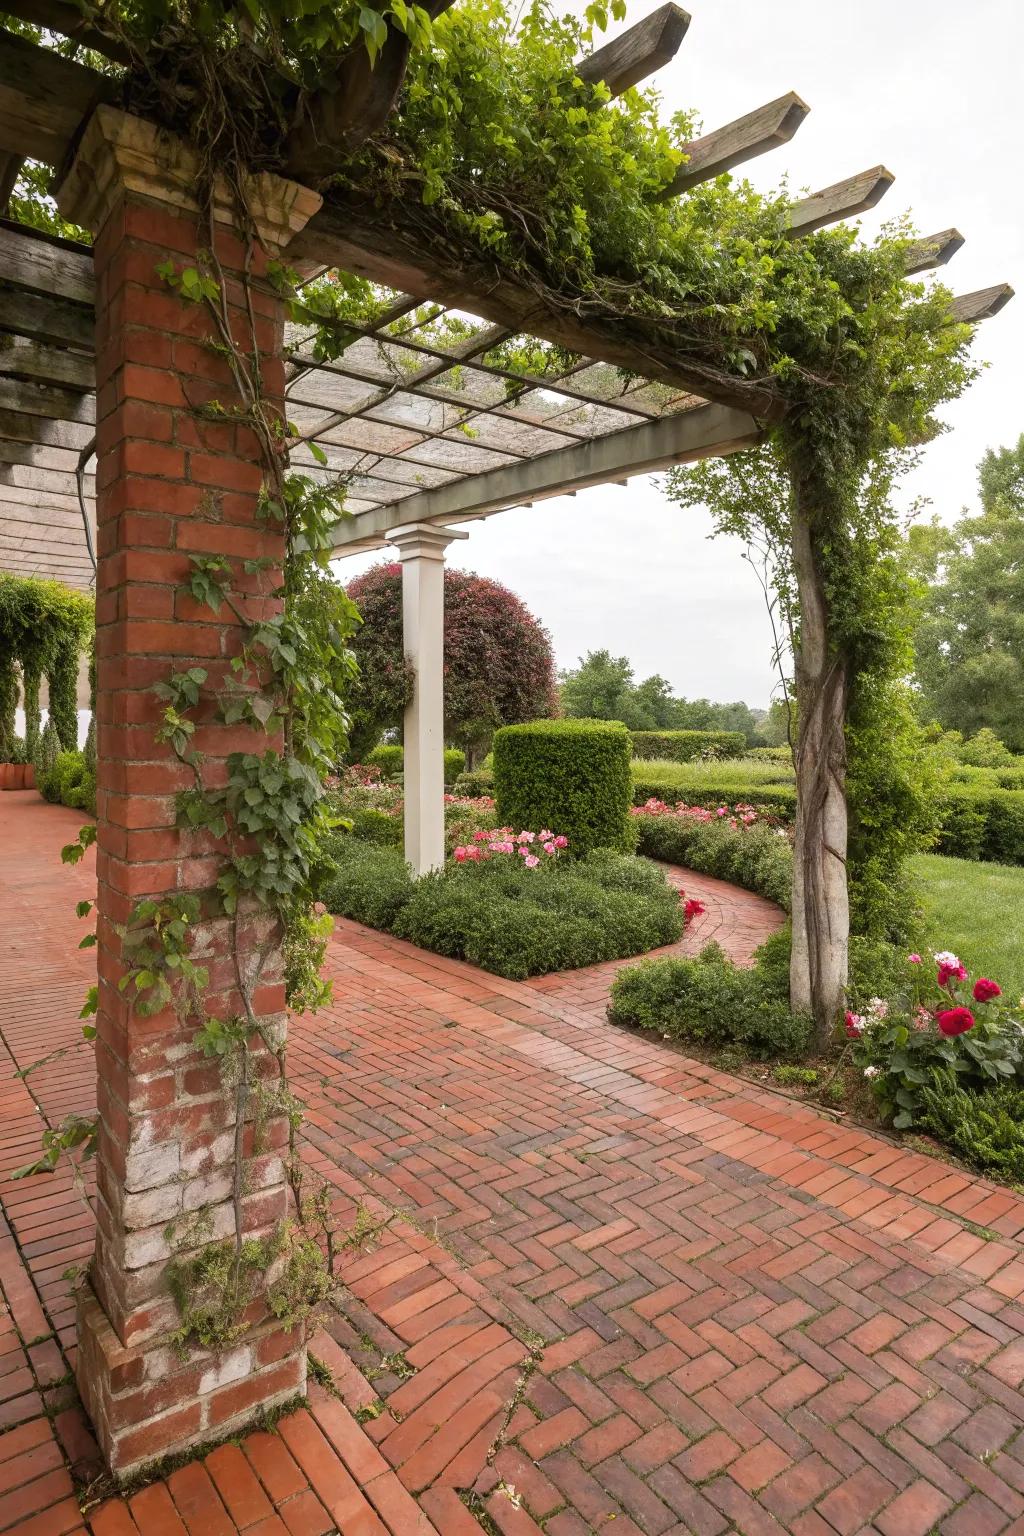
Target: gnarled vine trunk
x=821 y=908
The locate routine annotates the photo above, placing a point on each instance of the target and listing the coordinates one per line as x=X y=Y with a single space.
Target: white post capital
x=421 y=548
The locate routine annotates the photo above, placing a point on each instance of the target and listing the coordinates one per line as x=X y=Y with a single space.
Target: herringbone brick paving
x=600 y=1288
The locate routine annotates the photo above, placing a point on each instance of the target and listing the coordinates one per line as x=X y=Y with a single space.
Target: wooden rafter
x=46 y=264
x=970 y=308
x=739 y=141
x=44 y=98
x=69 y=19
x=646 y=46
x=933 y=251
x=843 y=200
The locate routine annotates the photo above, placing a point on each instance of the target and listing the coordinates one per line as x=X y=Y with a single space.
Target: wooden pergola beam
x=933 y=251
x=48 y=365
x=46 y=264
x=371 y=246
x=67 y=18
x=739 y=141
x=843 y=200
x=55 y=322
x=44 y=98
x=970 y=308
x=638 y=52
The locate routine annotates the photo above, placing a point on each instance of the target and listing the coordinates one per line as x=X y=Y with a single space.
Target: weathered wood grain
x=739 y=141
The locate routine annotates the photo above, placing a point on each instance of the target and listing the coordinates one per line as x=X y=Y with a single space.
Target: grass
x=977 y=910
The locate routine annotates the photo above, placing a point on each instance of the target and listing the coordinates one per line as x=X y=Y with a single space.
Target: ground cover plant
x=514 y=903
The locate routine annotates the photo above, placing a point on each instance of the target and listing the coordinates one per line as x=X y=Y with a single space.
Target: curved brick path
x=736 y=920
x=612 y=1291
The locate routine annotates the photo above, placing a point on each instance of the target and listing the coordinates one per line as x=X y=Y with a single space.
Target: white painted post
x=421 y=549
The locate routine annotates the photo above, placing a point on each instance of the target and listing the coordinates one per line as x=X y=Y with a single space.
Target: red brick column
x=169 y=484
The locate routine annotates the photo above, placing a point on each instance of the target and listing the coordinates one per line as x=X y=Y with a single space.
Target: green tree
x=969 y=644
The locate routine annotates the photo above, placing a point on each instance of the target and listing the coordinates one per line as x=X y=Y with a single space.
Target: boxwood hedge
x=685 y=746
x=571 y=776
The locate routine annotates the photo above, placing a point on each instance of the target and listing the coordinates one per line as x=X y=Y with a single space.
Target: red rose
x=985 y=990
x=954 y=1021
x=694 y=908
x=948 y=973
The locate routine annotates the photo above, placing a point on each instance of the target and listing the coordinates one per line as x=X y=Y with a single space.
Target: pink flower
x=460 y=855
x=722 y=811
x=550 y=848
x=561 y=842
x=954 y=1021
x=854 y=1024
x=531 y=861
x=985 y=990
x=526 y=837
x=480 y=837
x=913 y=959
x=948 y=973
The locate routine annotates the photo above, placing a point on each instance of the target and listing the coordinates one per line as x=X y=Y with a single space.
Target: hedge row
x=686 y=746
x=980 y=823
x=976 y=821
x=661 y=783
x=389 y=757
x=755 y=857
x=570 y=775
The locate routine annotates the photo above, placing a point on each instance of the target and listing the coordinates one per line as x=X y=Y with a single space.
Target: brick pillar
x=169 y=484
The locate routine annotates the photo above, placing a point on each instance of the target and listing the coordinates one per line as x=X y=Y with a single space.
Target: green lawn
x=976 y=910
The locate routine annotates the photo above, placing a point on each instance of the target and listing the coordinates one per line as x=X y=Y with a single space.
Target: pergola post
x=421 y=549
x=170 y=484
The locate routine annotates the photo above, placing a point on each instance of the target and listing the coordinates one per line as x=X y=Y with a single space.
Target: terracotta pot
x=30 y=777
x=6 y=771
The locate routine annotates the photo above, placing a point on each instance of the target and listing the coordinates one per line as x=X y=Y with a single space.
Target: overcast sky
x=933 y=90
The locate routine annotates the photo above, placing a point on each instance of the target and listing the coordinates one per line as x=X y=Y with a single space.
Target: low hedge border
x=980 y=823
x=69 y=782
x=755 y=857
x=685 y=746
x=780 y=799
x=505 y=918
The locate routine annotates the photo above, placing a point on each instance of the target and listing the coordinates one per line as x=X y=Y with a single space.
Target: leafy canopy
x=969 y=644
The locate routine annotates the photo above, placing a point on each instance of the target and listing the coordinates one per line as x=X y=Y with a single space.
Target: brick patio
x=608 y=1288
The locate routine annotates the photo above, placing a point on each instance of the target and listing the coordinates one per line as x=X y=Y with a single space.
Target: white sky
x=933 y=90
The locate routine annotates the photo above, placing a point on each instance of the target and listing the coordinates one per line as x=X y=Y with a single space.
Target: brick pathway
x=605 y=1289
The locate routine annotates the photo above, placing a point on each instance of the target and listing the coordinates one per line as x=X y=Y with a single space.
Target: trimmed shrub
x=685 y=746
x=373 y=826
x=755 y=857
x=369 y=884
x=388 y=757
x=471 y=786
x=45 y=755
x=570 y=775
x=504 y=917
x=454 y=764
x=982 y=823
x=519 y=922
x=711 y=1002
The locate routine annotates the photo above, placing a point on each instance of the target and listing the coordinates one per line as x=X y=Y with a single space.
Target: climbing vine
x=502 y=160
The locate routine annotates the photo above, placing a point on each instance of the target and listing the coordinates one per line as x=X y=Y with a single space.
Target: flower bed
x=741 y=843
x=508 y=908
